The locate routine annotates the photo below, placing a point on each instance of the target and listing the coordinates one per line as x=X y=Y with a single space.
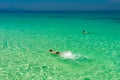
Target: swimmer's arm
x=53 y=52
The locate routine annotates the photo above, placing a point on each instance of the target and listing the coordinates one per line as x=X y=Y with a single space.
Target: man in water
x=54 y=52
x=84 y=32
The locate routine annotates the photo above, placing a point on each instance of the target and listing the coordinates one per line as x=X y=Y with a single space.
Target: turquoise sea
x=26 y=38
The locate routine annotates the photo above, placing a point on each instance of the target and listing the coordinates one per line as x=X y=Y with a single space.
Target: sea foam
x=70 y=55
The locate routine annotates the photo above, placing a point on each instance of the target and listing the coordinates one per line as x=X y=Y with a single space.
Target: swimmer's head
x=83 y=31
x=50 y=50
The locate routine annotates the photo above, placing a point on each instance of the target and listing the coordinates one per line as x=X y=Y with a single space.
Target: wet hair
x=50 y=50
x=83 y=31
x=57 y=52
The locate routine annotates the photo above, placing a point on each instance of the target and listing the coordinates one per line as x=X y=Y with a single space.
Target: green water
x=25 y=40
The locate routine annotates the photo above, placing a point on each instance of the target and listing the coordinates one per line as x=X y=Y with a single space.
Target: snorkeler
x=84 y=32
x=54 y=52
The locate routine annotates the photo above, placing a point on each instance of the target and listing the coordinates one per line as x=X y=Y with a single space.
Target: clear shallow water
x=25 y=40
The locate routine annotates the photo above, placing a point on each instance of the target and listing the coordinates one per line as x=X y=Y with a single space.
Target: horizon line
x=54 y=11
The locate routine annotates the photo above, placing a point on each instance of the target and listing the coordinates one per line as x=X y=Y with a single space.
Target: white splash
x=69 y=55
